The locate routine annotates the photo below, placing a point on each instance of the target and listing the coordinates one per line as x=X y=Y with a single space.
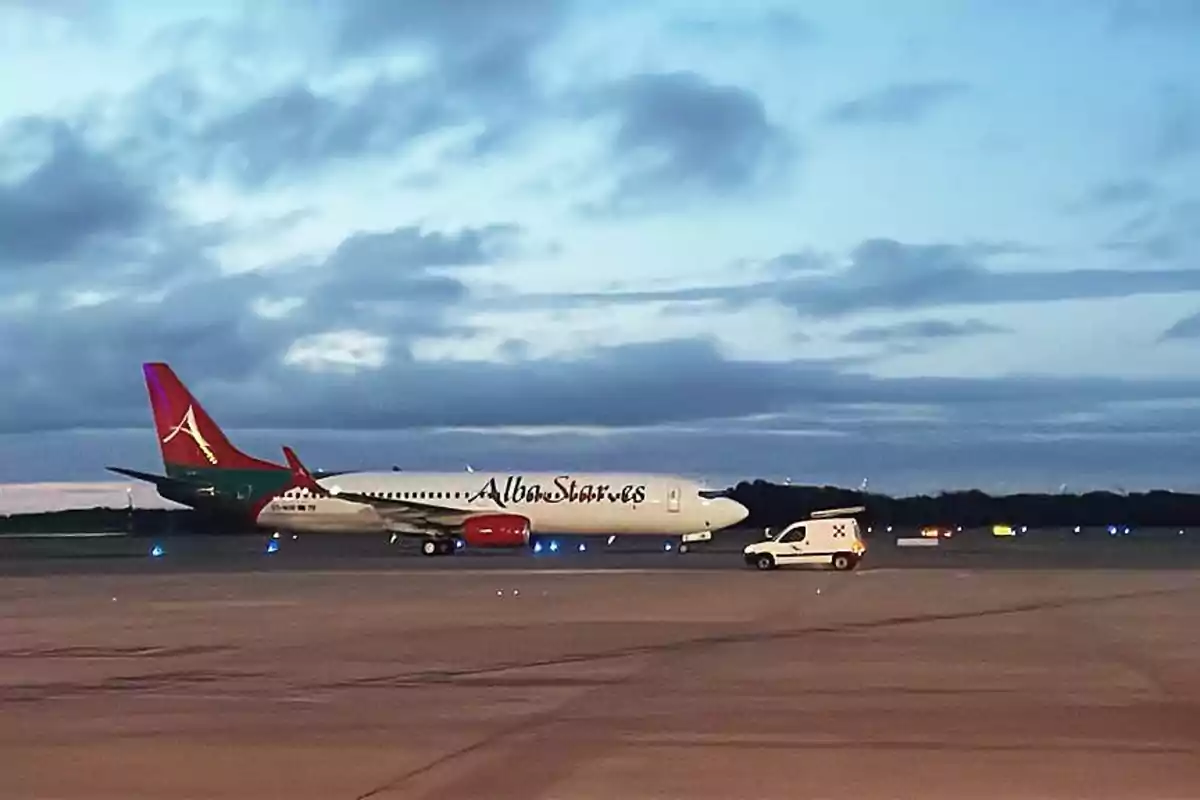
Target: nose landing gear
x=688 y=539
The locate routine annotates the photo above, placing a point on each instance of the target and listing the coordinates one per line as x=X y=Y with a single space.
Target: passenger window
x=794 y=535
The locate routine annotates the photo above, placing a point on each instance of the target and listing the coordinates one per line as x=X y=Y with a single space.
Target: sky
x=931 y=244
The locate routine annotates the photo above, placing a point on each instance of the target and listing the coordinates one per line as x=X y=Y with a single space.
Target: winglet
x=301 y=477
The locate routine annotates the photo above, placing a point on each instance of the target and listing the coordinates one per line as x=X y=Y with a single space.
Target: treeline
x=770 y=505
x=773 y=505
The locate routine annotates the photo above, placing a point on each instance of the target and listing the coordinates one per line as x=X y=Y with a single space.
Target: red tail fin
x=301 y=477
x=187 y=435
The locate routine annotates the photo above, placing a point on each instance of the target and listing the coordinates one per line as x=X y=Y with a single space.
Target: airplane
x=205 y=471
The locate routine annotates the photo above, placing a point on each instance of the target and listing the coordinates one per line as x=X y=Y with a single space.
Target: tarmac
x=1049 y=666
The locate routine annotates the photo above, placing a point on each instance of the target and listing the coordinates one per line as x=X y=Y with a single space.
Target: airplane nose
x=732 y=512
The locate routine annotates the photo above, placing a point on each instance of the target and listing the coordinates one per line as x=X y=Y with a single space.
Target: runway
x=1049 y=549
x=993 y=673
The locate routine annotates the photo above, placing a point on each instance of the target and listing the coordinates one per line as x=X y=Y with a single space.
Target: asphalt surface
x=1043 y=549
x=1051 y=665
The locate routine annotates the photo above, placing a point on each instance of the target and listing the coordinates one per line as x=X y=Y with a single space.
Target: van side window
x=795 y=535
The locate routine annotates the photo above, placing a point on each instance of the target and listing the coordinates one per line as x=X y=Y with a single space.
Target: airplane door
x=244 y=493
x=673 y=498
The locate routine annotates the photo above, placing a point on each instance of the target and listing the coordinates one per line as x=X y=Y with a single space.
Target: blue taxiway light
x=272 y=546
x=157 y=551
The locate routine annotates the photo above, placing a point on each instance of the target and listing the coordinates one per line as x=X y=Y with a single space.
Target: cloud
x=783 y=26
x=673 y=406
x=394 y=274
x=885 y=274
x=294 y=131
x=663 y=383
x=1165 y=231
x=479 y=46
x=363 y=304
x=678 y=133
x=67 y=10
x=899 y=103
x=798 y=261
x=71 y=197
x=922 y=330
x=1177 y=133
x=1186 y=328
x=1117 y=194
x=1178 y=16
x=483 y=55
x=475 y=71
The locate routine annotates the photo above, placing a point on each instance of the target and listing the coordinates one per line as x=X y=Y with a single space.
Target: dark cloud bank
x=78 y=217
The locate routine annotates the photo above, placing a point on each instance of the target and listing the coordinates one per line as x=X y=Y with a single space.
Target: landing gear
x=688 y=539
x=437 y=547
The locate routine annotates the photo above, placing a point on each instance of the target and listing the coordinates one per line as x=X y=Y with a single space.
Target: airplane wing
x=407 y=516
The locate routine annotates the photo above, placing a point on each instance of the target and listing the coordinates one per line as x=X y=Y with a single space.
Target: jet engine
x=496 y=530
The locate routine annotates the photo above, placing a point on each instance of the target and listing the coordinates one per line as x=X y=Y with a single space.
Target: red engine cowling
x=496 y=530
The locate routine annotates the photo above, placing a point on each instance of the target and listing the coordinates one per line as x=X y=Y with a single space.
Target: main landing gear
x=437 y=547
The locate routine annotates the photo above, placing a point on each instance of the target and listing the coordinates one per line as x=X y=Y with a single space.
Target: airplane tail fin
x=301 y=477
x=187 y=436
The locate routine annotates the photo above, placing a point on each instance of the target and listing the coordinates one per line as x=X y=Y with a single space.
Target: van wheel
x=843 y=562
x=765 y=562
x=429 y=547
x=683 y=548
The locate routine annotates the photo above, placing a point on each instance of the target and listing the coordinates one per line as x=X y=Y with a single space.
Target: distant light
x=156 y=551
x=272 y=546
x=554 y=547
x=583 y=547
x=275 y=535
x=667 y=546
x=537 y=548
x=1077 y=529
x=612 y=539
x=458 y=544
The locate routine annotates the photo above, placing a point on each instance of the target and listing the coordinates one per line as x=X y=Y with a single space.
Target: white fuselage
x=581 y=503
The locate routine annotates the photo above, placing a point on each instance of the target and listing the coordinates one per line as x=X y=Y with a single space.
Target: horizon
x=946 y=246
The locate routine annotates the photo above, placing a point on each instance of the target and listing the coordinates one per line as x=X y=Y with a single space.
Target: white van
x=828 y=537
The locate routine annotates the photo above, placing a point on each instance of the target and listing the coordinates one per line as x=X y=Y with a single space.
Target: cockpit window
x=713 y=494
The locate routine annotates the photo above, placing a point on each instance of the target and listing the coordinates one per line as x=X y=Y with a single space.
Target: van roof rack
x=837 y=512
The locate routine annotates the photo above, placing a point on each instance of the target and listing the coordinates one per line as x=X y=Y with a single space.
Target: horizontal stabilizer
x=161 y=481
